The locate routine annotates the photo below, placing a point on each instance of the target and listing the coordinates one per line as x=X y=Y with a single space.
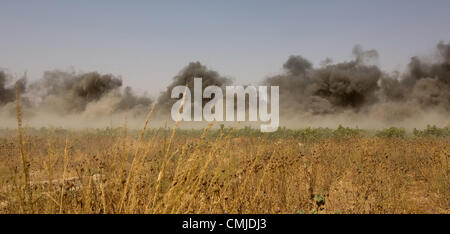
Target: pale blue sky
x=148 y=42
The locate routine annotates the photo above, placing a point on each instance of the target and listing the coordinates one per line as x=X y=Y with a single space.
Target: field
x=224 y=170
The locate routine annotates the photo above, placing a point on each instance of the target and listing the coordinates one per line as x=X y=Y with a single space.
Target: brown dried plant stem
x=23 y=154
x=163 y=166
x=135 y=161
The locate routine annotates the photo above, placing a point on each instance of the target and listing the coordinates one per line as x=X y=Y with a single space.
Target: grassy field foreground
x=224 y=171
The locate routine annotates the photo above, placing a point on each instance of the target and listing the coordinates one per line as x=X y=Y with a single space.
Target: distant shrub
x=311 y=134
x=342 y=132
x=391 y=132
x=432 y=131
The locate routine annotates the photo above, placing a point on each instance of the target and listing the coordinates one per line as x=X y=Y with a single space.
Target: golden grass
x=96 y=174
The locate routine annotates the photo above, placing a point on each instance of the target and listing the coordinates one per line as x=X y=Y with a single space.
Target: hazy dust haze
x=354 y=93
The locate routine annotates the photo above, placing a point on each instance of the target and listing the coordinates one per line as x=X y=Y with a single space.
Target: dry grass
x=90 y=173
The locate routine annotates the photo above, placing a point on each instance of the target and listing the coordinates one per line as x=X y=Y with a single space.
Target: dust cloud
x=355 y=93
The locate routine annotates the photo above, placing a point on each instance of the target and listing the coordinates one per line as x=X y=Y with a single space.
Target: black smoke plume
x=360 y=87
x=186 y=77
x=65 y=93
x=8 y=91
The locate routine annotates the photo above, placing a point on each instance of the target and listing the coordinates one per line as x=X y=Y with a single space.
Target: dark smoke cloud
x=73 y=92
x=359 y=86
x=297 y=65
x=346 y=84
x=431 y=92
x=64 y=93
x=440 y=69
x=130 y=100
x=330 y=88
x=186 y=76
x=428 y=80
x=8 y=92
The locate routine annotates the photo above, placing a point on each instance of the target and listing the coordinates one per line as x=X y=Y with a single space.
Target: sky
x=148 y=42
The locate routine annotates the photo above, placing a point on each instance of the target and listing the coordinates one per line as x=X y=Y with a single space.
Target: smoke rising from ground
x=68 y=93
x=359 y=92
x=186 y=77
x=73 y=98
x=353 y=93
x=7 y=90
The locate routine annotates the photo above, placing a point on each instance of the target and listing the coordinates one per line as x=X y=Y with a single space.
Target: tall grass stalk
x=164 y=162
x=23 y=154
